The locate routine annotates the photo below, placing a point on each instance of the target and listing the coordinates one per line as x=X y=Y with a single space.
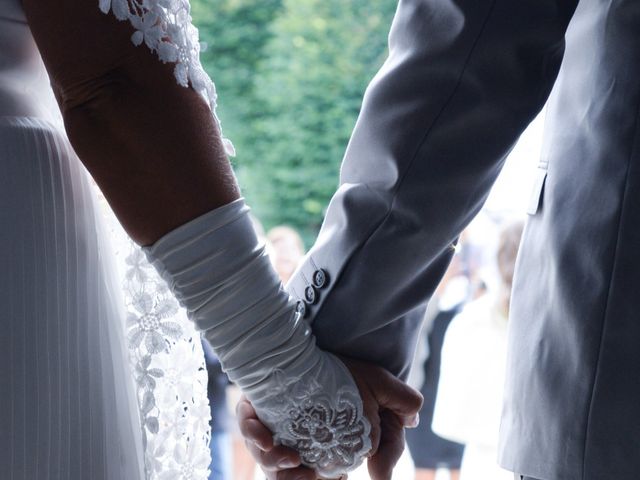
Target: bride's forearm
x=155 y=152
x=151 y=145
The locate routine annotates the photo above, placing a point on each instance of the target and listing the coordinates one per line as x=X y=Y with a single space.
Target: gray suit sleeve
x=463 y=80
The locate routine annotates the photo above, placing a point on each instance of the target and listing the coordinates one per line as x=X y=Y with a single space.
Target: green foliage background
x=290 y=76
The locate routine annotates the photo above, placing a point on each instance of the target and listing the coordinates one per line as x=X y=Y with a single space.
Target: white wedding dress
x=67 y=408
x=70 y=406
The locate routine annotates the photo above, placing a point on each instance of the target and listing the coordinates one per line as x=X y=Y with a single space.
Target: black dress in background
x=428 y=450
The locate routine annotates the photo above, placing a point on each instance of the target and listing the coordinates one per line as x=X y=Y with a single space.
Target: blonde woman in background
x=287 y=250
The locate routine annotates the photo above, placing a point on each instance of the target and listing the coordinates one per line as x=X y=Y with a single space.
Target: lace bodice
x=167 y=364
x=165 y=27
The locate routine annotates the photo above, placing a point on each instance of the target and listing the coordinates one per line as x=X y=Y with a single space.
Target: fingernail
x=262 y=446
x=287 y=463
x=412 y=422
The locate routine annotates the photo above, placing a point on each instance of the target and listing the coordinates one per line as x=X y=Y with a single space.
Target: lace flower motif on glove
x=166 y=28
x=329 y=433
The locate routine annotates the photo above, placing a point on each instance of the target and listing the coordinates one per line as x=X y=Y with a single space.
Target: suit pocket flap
x=535 y=201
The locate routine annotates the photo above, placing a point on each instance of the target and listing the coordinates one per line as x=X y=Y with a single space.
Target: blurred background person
x=469 y=402
x=287 y=250
x=429 y=451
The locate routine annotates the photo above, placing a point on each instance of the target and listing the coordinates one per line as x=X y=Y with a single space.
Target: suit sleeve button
x=320 y=278
x=310 y=295
x=301 y=308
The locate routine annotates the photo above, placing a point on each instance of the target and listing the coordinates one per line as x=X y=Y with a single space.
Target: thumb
x=395 y=395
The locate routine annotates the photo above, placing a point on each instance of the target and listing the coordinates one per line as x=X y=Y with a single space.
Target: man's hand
x=389 y=404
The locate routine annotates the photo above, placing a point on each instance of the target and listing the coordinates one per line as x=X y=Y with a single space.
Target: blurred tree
x=234 y=34
x=291 y=75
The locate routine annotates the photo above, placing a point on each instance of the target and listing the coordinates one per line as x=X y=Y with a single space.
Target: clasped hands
x=389 y=404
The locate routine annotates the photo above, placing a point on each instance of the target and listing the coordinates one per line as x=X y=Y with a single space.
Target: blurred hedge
x=290 y=76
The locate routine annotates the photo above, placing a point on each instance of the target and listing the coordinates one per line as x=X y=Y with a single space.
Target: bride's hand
x=389 y=404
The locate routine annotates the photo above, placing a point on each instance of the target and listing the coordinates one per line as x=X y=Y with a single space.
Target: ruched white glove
x=220 y=273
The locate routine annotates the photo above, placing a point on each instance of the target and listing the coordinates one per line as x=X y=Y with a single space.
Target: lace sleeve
x=166 y=27
x=166 y=364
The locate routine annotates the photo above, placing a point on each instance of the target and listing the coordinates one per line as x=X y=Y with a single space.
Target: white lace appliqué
x=170 y=376
x=330 y=432
x=167 y=364
x=166 y=27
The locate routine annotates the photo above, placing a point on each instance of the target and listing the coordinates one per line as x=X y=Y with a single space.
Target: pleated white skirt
x=67 y=402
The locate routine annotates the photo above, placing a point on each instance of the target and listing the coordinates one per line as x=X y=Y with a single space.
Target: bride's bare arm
x=152 y=145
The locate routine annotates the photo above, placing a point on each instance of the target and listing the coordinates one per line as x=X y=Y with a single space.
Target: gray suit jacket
x=463 y=80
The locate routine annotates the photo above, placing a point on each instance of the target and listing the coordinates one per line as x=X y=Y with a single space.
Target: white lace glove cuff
x=220 y=273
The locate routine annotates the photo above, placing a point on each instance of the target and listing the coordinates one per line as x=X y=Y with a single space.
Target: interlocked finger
x=278 y=458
